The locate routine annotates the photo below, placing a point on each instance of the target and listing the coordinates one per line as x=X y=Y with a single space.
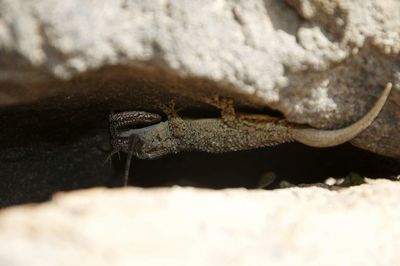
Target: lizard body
x=217 y=135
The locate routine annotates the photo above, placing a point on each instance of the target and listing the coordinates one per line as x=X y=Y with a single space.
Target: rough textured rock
x=65 y=65
x=321 y=62
x=299 y=226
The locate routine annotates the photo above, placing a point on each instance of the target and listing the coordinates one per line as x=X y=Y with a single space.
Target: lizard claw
x=170 y=109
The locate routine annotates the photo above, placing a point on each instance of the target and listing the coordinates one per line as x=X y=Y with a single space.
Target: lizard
x=144 y=135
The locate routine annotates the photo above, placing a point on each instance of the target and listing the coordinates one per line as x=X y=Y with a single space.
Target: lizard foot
x=226 y=106
x=175 y=122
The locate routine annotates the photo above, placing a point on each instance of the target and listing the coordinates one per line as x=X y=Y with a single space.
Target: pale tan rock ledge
x=186 y=226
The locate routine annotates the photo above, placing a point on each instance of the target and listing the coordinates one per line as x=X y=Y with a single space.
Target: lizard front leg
x=176 y=124
x=226 y=108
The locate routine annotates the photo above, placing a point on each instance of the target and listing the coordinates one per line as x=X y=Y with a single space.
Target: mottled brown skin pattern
x=208 y=135
x=230 y=132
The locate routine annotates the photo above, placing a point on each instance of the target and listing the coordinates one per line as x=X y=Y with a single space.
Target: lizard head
x=149 y=142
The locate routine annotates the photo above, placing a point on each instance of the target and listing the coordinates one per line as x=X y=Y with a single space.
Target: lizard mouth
x=151 y=153
x=137 y=131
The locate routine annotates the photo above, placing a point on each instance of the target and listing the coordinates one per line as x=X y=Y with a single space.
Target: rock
x=64 y=66
x=321 y=63
x=298 y=226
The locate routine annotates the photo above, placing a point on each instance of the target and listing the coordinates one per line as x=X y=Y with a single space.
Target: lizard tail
x=328 y=138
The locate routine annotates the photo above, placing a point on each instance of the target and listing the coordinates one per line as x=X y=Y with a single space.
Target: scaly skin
x=217 y=135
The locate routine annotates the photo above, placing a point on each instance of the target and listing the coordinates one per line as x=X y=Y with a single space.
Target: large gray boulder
x=321 y=63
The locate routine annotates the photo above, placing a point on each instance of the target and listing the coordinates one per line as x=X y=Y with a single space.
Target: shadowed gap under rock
x=32 y=173
x=61 y=144
x=291 y=162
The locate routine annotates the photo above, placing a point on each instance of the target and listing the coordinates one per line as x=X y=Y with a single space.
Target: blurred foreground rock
x=177 y=226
